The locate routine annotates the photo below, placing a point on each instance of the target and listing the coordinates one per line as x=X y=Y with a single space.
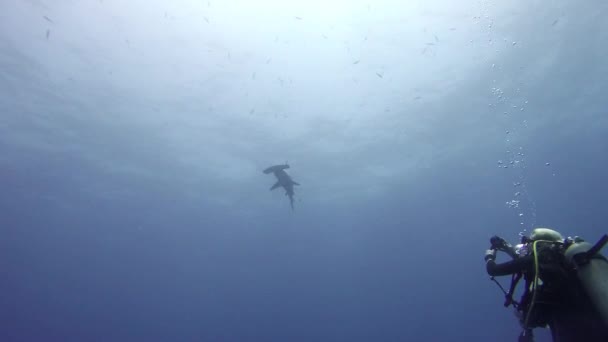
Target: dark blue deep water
x=133 y=135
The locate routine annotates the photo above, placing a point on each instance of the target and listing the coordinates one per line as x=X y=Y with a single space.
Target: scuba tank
x=591 y=269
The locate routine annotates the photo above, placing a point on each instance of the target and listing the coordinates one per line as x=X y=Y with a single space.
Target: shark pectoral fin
x=276 y=185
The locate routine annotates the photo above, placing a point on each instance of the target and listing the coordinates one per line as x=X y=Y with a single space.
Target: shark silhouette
x=283 y=179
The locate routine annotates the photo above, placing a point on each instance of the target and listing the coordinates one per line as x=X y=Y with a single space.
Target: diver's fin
x=276 y=185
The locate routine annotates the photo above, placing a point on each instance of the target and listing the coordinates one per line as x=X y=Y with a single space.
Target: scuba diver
x=566 y=285
x=283 y=179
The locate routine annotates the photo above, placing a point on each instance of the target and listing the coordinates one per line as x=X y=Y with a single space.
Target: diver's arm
x=509 y=267
x=510 y=250
x=502 y=245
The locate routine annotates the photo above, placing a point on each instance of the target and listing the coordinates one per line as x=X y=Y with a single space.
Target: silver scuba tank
x=592 y=271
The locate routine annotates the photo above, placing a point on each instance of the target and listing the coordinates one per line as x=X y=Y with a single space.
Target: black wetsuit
x=522 y=264
x=560 y=302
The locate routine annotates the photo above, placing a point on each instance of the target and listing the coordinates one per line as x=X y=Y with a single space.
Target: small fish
x=268 y=60
x=356 y=62
x=417 y=98
x=452 y=29
x=555 y=22
x=206 y=19
x=436 y=38
x=430 y=44
x=281 y=81
x=253 y=76
x=48 y=19
x=299 y=18
x=252 y=111
x=324 y=36
x=48 y=34
x=379 y=75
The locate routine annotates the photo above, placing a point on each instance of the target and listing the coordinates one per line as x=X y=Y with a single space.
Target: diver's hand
x=490 y=255
x=498 y=243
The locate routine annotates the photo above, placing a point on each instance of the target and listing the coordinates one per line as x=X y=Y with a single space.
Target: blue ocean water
x=133 y=136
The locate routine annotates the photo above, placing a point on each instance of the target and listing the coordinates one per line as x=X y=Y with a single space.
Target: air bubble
x=513 y=204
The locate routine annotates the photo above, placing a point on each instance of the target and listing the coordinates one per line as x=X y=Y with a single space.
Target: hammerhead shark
x=283 y=179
